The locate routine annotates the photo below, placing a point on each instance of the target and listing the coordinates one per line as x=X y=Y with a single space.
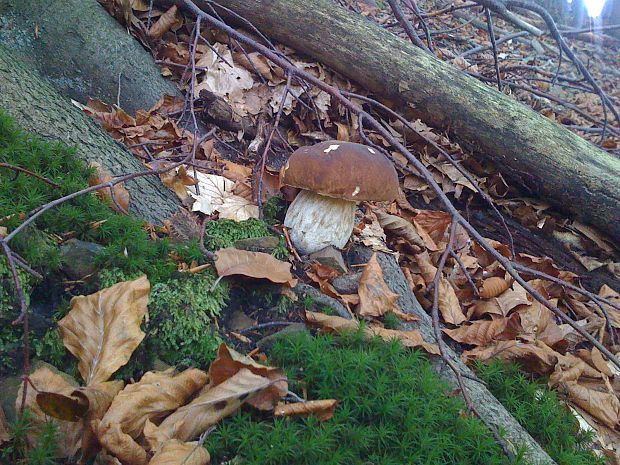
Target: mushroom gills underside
x=316 y=221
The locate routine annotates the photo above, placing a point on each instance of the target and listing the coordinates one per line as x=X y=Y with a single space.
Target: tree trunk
x=547 y=159
x=83 y=51
x=492 y=412
x=37 y=107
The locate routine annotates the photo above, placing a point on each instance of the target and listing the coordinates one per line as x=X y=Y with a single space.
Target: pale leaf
x=153 y=397
x=103 y=329
x=216 y=195
x=482 y=332
x=399 y=227
x=449 y=305
x=206 y=410
x=339 y=325
x=231 y=261
x=175 y=452
x=604 y=406
x=229 y=362
x=47 y=378
x=321 y=409
x=376 y=298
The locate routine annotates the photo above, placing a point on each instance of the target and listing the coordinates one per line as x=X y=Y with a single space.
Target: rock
x=330 y=256
x=79 y=258
x=265 y=244
x=347 y=283
x=266 y=343
x=239 y=321
x=320 y=300
x=8 y=393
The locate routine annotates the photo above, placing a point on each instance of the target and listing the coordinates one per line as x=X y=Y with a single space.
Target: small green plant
x=284 y=305
x=391 y=321
x=223 y=233
x=273 y=210
x=18 y=451
x=389 y=412
x=538 y=409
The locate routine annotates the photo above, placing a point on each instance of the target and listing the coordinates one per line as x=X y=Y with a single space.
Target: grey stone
x=266 y=343
x=330 y=256
x=79 y=258
x=347 y=283
x=258 y=244
x=321 y=300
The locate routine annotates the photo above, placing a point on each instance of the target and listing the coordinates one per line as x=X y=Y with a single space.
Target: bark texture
x=491 y=410
x=548 y=160
x=83 y=51
x=37 y=107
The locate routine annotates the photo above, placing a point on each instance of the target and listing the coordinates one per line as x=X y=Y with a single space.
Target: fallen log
x=491 y=411
x=545 y=158
x=38 y=107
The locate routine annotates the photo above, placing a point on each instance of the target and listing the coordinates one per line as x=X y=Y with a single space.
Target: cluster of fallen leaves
x=159 y=418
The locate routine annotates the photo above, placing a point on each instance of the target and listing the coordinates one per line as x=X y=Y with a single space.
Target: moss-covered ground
x=393 y=409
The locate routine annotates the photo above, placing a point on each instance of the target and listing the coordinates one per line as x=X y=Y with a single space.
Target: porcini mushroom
x=333 y=176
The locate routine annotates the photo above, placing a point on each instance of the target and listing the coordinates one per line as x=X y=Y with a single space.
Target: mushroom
x=333 y=176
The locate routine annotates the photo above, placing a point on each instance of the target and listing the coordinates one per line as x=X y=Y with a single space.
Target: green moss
x=181 y=316
x=19 y=450
x=389 y=412
x=539 y=411
x=391 y=321
x=223 y=233
x=273 y=210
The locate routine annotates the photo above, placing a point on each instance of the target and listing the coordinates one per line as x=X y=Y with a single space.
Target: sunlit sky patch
x=594 y=7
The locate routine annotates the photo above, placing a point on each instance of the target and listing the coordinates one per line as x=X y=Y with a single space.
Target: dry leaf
x=121 y=195
x=211 y=406
x=175 y=452
x=449 y=305
x=494 y=286
x=103 y=329
x=538 y=357
x=432 y=227
x=427 y=269
x=338 y=325
x=604 y=406
x=321 y=409
x=177 y=180
x=216 y=195
x=482 y=332
x=228 y=362
x=538 y=322
x=399 y=227
x=47 y=378
x=154 y=396
x=164 y=23
x=502 y=304
x=231 y=261
x=376 y=298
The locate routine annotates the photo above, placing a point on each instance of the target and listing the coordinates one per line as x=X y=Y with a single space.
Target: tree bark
x=547 y=159
x=83 y=51
x=38 y=107
x=492 y=412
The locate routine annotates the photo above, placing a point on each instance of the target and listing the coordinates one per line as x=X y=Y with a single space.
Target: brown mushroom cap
x=342 y=170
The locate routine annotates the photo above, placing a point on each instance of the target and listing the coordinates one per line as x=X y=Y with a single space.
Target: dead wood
x=548 y=160
x=38 y=107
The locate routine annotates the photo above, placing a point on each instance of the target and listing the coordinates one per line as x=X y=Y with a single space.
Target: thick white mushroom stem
x=316 y=221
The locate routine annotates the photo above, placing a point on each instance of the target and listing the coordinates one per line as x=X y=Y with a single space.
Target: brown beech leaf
x=121 y=195
x=153 y=397
x=449 y=304
x=322 y=409
x=103 y=329
x=482 y=332
x=177 y=180
x=399 y=227
x=212 y=405
x=376 y=298
x=231 y=261
x=600 y=363
x=608 y=293
x=427 y=269
x=338 y=325
x=493 y=286
x=431 y=226
x=604 y=406
x=228 y=362
x=175 y=452
x=4 y=428
x=538 y=322
x=537 y=357
x=502 y=304
x=164 y=23
x=49 y=379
